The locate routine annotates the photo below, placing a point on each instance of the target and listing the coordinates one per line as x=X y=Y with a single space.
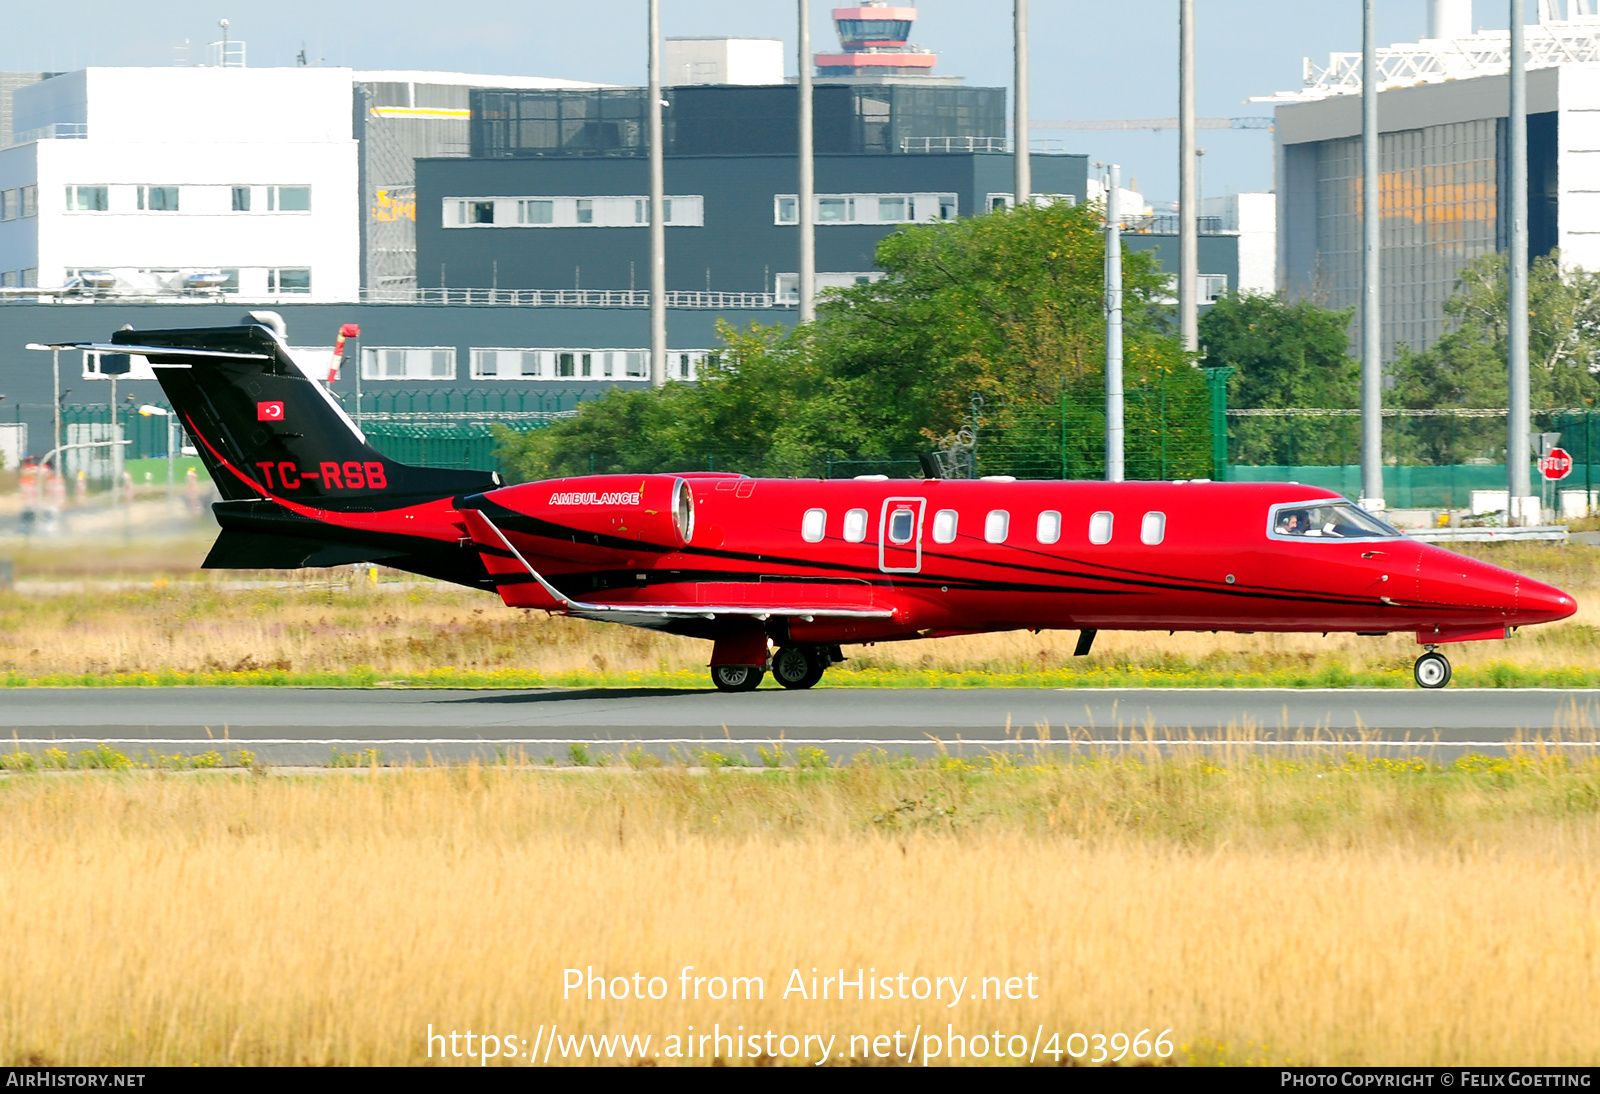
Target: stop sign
x=1556 y=464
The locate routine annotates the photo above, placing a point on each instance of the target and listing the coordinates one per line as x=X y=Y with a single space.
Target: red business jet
x=779 y=574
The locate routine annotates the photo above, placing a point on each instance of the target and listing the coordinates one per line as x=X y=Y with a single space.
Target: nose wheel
x=1432 y=670
x=737 y=677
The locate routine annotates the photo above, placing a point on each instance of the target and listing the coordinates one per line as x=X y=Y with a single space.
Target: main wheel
x=1432 y=670
x=737 y=677
x=798 y=666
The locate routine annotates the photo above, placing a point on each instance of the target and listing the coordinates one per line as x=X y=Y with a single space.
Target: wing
x=521 y=586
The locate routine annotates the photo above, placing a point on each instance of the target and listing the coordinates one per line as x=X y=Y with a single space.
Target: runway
x=292 y=726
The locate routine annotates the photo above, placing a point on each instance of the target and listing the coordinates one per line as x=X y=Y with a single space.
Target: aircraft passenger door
x=900 y=535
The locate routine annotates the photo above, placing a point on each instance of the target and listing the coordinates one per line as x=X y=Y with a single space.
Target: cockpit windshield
x=1330 y=520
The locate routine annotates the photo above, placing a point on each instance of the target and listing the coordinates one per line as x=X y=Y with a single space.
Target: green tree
x=1284 y=356
x=1466 y=368
x=1006 y=305
x=763 y=402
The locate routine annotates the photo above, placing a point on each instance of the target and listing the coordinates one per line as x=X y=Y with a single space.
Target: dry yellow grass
x=144 y=608
x=1358 y=913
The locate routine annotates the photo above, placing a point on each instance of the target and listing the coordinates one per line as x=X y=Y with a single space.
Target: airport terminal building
x=1443 y=114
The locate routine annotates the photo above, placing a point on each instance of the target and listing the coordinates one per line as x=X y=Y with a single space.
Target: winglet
x=518 y=584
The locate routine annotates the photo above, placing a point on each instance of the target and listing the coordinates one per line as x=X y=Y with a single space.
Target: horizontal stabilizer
x=235 y=550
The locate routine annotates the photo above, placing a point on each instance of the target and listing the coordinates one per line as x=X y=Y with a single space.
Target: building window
x=582 y=364
x=505 y=364
x=868 y=208
x=241 y=199
x=10 y=203
x=293 y=279
x=289 y=199
x=8 y=279
x=30 y=278
x=86 y=199
x=408 y=363
x=786 y=286
x=30 y=203
x=158 y=199
x=611 y=211
x=1210 y=287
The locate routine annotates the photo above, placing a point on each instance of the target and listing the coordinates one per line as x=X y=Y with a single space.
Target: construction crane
x=1152 y=124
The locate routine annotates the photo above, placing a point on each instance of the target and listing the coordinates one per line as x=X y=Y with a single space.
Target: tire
x=737 y=677
x=1432 y=670
x=798 y=667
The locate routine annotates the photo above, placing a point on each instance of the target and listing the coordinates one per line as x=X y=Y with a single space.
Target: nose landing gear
x=737 y=677
x=1432 y=670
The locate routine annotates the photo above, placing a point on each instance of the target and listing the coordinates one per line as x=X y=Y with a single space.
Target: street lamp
x=55 y=353
x=150 y=410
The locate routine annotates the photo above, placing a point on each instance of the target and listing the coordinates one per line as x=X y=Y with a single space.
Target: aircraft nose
x=1541 y=603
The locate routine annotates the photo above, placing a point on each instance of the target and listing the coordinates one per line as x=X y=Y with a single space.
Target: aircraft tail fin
x=265 y=428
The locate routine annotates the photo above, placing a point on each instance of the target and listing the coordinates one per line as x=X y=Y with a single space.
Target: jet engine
x=599 y=510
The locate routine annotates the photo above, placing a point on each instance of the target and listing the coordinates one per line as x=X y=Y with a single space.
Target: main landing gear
x=794 y=667
x=1432 y=670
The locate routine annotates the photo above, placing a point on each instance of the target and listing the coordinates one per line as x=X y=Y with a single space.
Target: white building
x=153 y=175
x=722 y=61
x=1254 y=218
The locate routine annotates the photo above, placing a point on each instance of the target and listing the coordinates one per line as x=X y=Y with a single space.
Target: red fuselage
x=1068 y=555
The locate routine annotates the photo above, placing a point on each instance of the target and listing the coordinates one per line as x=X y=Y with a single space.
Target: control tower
x=874 y=38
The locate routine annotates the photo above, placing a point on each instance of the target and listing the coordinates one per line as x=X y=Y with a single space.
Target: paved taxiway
x=304 y=725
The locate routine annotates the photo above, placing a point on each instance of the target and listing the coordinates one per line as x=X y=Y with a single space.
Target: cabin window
x=812 y=525
x=902 y=523
x=996 y=525
x=944 y=526
x=1153 y=529
x=1049 y=526
x=855 y=526
x=1100 y=528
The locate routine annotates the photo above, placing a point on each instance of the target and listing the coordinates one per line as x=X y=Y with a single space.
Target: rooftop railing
x=59 y=131
x=438 y=297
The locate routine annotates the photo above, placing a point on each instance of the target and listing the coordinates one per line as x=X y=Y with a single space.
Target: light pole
x=806 y=199
x=1023 y=167
x=55 y=367
x=658 y=204
x=1521 y=507
x=150 y=410
x=1188 y=226
x=1371 y=272
x=1114 y=427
